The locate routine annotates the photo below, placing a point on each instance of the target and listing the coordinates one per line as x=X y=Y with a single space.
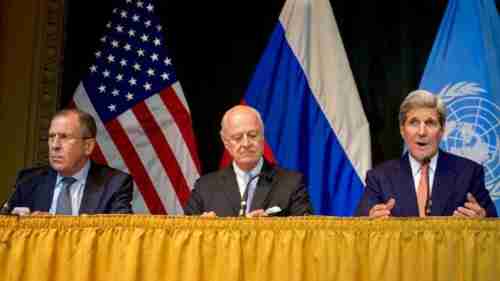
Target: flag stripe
x=149 y=160
x=352 y=130
x=134 y=163
x=183 y=120
x=122 y=91
x=163 y=150
x=314 y=122
x=175 y=139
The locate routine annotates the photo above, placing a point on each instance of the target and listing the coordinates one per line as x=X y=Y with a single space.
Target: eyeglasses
x=251 y=136
x=63 y=138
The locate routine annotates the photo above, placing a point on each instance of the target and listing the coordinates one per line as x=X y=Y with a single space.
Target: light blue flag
x=464 y=70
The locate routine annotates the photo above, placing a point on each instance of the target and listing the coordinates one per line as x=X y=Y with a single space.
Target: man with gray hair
x=250 y=186
x=426 y=181
x=72 y=184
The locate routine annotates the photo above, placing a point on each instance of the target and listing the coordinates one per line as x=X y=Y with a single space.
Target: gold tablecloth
x=311 y=248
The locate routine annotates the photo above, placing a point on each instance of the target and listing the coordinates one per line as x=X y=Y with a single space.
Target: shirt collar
x=255 y=171
x=416 y=166
x=79 y=176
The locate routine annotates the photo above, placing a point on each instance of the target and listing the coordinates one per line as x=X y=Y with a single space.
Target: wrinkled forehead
x=242 y=123
x=68 y=124
x=423 y=113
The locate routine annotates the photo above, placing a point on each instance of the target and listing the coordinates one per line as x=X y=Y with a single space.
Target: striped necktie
x=64 y=199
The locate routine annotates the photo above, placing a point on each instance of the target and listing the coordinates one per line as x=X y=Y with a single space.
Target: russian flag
x=314 y=122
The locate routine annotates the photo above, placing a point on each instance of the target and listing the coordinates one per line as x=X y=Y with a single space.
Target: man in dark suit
x=72 y=184
x=426 y=181
x=250 y=186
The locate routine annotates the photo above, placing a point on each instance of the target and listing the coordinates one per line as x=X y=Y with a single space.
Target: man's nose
x=245 y=141
x=422 y=129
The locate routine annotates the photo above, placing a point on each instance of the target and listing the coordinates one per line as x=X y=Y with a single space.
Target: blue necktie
x=251 y=185
x=64 y=200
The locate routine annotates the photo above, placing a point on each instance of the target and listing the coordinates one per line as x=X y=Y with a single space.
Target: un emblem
x=473 y=129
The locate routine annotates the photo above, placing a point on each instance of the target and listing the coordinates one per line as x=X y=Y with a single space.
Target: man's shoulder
x=387 y=166
x=285 y=173
x=107 y=170
x=458 y=162
x=32 y=173
x=218 y=174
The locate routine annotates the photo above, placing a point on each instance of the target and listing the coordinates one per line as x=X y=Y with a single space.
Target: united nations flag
x=464 y=70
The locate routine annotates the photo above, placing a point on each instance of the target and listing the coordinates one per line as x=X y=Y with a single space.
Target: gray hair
x=422 y=99
x=88 y=127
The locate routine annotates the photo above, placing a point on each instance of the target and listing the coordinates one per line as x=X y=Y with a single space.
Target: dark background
x=215 y=46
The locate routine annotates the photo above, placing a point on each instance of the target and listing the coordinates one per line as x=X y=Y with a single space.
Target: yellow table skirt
x=188 y=248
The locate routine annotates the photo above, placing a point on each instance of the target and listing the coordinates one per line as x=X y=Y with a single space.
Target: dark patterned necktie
x=64 y=200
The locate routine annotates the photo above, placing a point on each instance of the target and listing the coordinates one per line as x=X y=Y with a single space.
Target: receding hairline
x=238 y=108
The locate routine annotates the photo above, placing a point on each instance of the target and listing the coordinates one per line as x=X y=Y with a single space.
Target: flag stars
x=129 y=1
x=93 y=68
x=108 y=25
x=140 y=52
x=167 y=61
x=132 y=82
x=103 y=39
x=119 y=28
x=140 y=4
x=157 y=42
x=102 y=89
x=135 y=18
x=115 y=92
x=115 y=44
x=144 y=38
x=164 y=76
x=154 y=57
x=98 y=54
x=129 y=96
x=111 y=58
x=119 y=77
x=158 y=27
x=151 y=72
x=147 y=23
x=123 y=14
x=115 y=10
x=105 y=73
x=112 y=107
x=150 y=8
x=123 y=62
x=137 y=66
x=127 y=47
x=131 y=33
x=147 y=86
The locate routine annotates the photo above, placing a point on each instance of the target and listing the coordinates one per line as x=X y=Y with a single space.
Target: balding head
x=242 y=134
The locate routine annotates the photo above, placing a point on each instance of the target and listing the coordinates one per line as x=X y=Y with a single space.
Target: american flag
x=144 y=123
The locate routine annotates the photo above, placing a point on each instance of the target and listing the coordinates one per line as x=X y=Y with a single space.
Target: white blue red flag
x=144 y=123
x=464 y=70
x=314 y=121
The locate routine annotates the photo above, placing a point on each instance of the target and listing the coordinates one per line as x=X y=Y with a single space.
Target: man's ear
x=89 y=146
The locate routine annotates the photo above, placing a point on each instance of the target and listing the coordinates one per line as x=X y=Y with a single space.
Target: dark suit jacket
x=219 y=192
x=453 y=179
x=107 y=190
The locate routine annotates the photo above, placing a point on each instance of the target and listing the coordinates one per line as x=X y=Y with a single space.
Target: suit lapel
x=231 y=190
x=264 y=186
x=92 y=191
x=444 y=179
x=405 y=189
x=46 y=191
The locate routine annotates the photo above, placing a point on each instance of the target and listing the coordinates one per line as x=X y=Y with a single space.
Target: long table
x=156 y=248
